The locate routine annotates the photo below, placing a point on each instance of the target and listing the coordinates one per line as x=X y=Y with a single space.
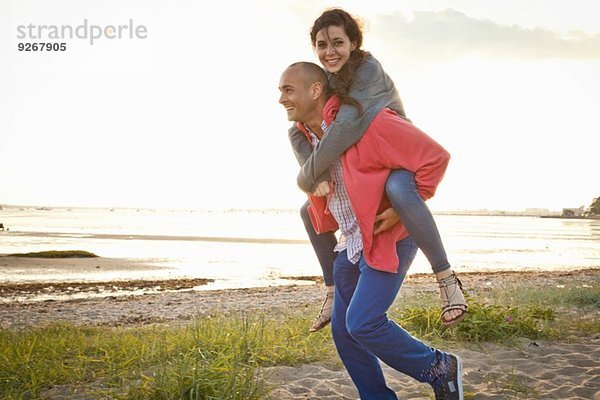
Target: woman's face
x=333 y=48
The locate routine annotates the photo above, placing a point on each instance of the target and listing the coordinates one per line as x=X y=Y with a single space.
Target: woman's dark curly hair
x=353 y=28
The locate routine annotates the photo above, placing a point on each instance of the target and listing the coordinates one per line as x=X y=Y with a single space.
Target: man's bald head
x=304 y=91
x=311 y=73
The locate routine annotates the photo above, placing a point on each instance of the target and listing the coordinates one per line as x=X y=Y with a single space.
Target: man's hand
x=322 y=189
x=385 y=221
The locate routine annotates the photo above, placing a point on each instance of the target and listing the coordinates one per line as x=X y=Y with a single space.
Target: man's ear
x=316 y=90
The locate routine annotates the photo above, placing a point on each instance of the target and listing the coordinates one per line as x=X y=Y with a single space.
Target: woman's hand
x=385 y=221
x=322 y=189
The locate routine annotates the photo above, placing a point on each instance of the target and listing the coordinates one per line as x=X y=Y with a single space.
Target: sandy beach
x=536 y=370
x=527 y=370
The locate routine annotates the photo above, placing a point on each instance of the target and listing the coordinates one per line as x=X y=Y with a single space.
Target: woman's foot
x=324 y=317
x=454 y=305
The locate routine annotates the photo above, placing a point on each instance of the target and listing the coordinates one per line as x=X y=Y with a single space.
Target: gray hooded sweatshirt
x=374 y=90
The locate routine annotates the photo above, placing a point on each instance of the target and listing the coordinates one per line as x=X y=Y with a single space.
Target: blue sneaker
x=447 y=384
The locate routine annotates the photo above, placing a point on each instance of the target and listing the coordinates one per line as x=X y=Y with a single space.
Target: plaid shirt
x=341 y=209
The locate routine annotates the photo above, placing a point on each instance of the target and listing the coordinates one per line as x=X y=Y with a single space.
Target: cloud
x=450 y=33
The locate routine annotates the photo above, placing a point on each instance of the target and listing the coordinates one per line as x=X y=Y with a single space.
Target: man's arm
x=374 y=90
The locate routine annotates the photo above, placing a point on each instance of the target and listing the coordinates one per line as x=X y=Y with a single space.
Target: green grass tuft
x=584 y=296
x=587 y=295
x=485 y=323
x=56 y=254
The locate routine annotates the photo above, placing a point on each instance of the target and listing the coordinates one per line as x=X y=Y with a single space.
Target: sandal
x=324 y=317
x=451 y=286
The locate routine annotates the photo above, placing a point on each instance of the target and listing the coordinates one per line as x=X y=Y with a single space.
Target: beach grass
x=504 y=314
x=56 y=254
x=486 y=323
x=209 y=358
x=222 y=355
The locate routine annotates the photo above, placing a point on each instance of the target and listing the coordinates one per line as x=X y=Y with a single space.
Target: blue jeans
x=362 y=332
x=401 y=190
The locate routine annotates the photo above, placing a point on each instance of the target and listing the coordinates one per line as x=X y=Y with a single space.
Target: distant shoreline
x=596 y=217
x=478 y=212
x=125 y=236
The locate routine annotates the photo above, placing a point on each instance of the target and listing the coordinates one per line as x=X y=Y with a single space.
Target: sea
x=253 y=248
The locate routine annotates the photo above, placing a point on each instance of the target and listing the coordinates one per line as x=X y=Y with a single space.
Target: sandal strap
x=455 y=320
x=323 y=308
x=328 y=296
x=449 y=281
x=450 y=285
x=321 y=320
x=457 y=306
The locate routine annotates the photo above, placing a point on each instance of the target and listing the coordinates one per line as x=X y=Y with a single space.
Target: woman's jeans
x=414 y=214
x=322 y=244
x=402 y=192
x=362 y=332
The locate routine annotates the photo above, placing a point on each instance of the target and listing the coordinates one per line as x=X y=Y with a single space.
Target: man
x=370 y=268
x=324 y=242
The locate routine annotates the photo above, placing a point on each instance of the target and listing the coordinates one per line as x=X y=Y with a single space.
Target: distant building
x=573 y=212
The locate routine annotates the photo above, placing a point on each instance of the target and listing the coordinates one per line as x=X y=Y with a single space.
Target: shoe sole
x=312 y=330
x=459 y=373
x=454 y=321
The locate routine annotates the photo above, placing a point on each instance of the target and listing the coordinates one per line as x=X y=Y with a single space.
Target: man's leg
x=368 y=324
x=414 y=214
x=362 y=365
x=323 y=246
x=367 y=320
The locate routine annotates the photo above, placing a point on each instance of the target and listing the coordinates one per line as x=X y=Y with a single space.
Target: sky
x=187 y=115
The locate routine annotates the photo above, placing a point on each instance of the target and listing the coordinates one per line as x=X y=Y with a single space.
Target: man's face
x=295 y=95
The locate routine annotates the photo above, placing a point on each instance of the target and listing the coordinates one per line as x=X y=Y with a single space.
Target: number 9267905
x=42 y=46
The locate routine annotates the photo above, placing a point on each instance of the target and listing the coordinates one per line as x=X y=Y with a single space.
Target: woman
x=365 y=89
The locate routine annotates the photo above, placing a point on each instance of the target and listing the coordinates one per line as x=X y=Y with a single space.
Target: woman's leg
x=402 y=192
x=323 y=245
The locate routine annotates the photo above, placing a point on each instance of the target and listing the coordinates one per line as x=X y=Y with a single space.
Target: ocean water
x=240 y=248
